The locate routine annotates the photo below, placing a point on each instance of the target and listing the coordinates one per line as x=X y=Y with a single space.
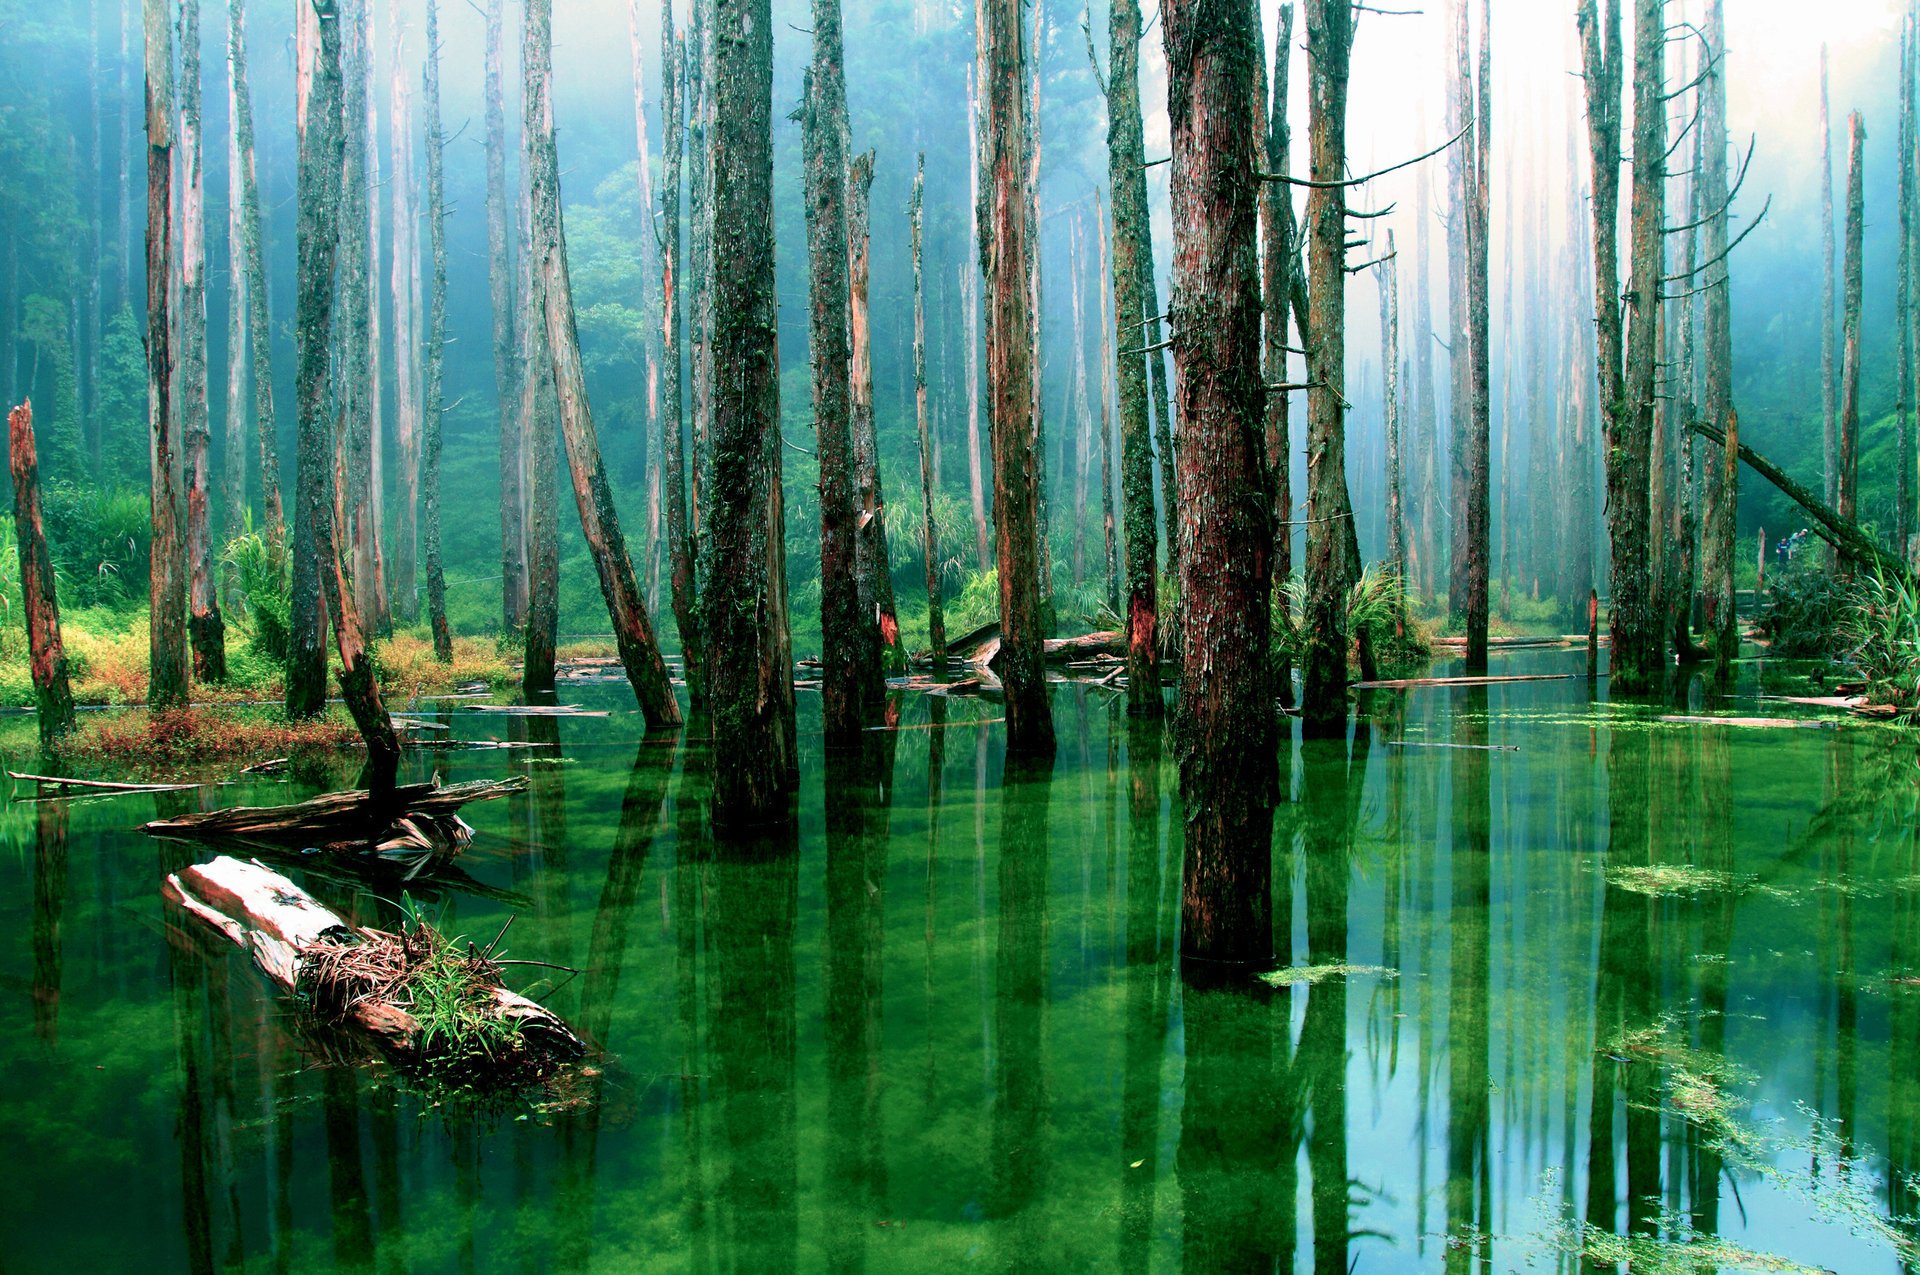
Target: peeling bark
x=41 y=609
x=205 y=629
x=870 y=500
x=167 y=646
x=930 y=549
x=430 y=439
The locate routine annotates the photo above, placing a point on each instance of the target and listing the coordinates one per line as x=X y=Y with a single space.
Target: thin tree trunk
x=970 y=292
x=1083 y=440
x=686 y=603
x=1459 y=311
x=1330 y=568
x=1849 y=501
x=516 y=453
x=1279 y=265
x=1718 y=545
x=356 y=333
x=1043 y=532
x=592 y=493
x=205 y=629
x=1903 y=297
x=1479 y=449
x=259 y=323
x=539 y=457
x=1829 y=300
x=370 y=518
x=436 y=347
x=870 y=499
x=1228 y=773
x=750 y=682
x=700 y=93
x=936 y=621
x=1390 y=365
x=1126 y=160
x=167 y=647
x=851 y=681
x=1104 y=288
x=405 y=286
x=234 y=442
x=1011 y=377
x=649 y=276
x=40 y=608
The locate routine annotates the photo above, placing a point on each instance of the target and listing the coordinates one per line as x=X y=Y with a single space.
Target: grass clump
x=178 y=740
x=1377 y=605
x=1803 y=609
x=1883 y=635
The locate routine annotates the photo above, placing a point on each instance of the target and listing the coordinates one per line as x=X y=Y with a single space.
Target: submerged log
x=360 y=978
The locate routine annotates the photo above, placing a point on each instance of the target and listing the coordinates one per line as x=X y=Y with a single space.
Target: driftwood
x=537 y=710
x=301 y=946
x=416 y=826
x=92 y=785
x=1402 y=683
x=1766 y=723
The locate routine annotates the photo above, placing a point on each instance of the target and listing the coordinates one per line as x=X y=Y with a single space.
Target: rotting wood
x=39 y=604
x=292 y=939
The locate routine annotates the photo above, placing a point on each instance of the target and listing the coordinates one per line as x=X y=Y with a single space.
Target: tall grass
x=1883 y=634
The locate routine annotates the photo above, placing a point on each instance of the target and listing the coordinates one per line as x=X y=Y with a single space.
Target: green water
x=942 y=1024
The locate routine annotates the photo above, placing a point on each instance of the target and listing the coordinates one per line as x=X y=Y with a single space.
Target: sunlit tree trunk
x=259 y=324
x=750 y=683
x=1011 y=377
x=370 y=519
x=936 y=621
x=1126 y=159
x=40 y=608
x=1227 y=719
x=686 y=603
x=405 y=286
x=970 y=292
x=516 y=456
x=1848 y=504
x=430 y=439
x=699 y=96
x=592 y=493
x=851 y=683
x=1718 y=540
x=204 y=626
x=167 y=645
x=870 y=498
x=1279 y=265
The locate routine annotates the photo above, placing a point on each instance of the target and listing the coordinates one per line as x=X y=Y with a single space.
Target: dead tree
x=1226 y=714
x=515 y=458
x=970 y=294
x=1829 y=299
x=592 y=493
x=1903 y=520
x=234 y=442
x=936 y=621
x=167 y=681
x=1082 y=404
x=1280 y=265
x=537 y=411
x=1126 y=168
x=205 y=629
x=870 y=500
x=749 y=673
x=259 y=327
x=1459 y=315
x=699 y=94
x=1478 y=165
x=1849 y=485
x=405 y=286
x=355 y=373
x=436 y=348
x=1102 y=316
x=1721 y=502
x=1011 y=379
x=686 y=603
x=1390 y=366
x=39 y=606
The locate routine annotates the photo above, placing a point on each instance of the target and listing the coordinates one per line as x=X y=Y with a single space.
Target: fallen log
x=415 y=995
x=1402 y=683
x=94 y=785
x=1758 y=723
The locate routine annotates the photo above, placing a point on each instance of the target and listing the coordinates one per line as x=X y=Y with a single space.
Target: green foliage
x=1883 y=630
x=1803 y=609
x=266 y=590
x=1375 y=605
x=100 y=538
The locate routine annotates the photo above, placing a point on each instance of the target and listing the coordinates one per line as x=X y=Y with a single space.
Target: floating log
x=359 y=978
x=94 y=785
x=1402 y=683
x=1762 y=723
x=537 y=710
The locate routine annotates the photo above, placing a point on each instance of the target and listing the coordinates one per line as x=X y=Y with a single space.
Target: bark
x=686 y=603
x=1829 y=299
x=1718 y=545
x=167 y=647
x=1425 y=422
x=1083 y=406
x=699 y=105
x=233 y=441
x=436 y=348
x=750 y=683
x=406 y=338
x=592 y=493
x=1331 y=565
x=358 y=405
x=1390 y=365
x=370 y=518
x=1030 y=135
x=1279 y=266
x=870 y=500
x=1848 y=496
x=936 y=621
x=1011 y=380
x=1104 y=289
x=536 y=411
x=1459 y=313
x=1479 y=443
x=516 y=453
x=851 y=681
x=970 y=291
x=1227 y=735
x=259 y=324
x=323 y=573
x=1903 y=300
x=40 y=608
x=204 y=626
x=649 y=276
x=1126 y=159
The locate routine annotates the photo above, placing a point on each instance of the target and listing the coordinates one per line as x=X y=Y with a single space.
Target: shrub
x=265 y=589
x=1883 y=634
x=1804 y=609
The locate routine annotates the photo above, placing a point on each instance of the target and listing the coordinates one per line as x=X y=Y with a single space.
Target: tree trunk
x=1479 y=439
x=259 y=324
x=1390 y=365
x=1903 y=298
x=1829 y=299
x=322 y=145
x=1849 y=494
x=1330 y=568
x=204 y=625
x=592 y=493
x=1228 y=774
x=686 y=603
x=851 y=681
x=1036 y=309
x=358 y=405
x=1126 y=160
x=1460 y=167
x=405 y=285
x=167 y=647
x=540 y=457
x=1110 y=561
x=936 y=621
x=516 y=453
x=370 y=518
x=870 y=500
x=700 y=92
x=430 y=439
x=1718 y=541
x=1083 y=405
x=1011 y=380
x=1279 y=266
x=750 y=682
x=233 y=439
x=970 y=291
x=40 y=608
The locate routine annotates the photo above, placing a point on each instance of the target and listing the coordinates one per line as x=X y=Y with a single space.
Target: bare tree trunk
x=649 y=277
x=851 y=681
x=1829 y=299
x=1903 y=295
x=1330 y=565
x=1479 y=438
x=1849 y=501
x=357 y=343
x=540 y=458
x=1083 y=405
x=1228 y=774
x=870 y=499
x=1390 y=365
x=750 y=682
x=1279 y=268
x=259 y=324
x=700 y=94
x=686 y=604
x=1425 y=417
x=370 y=518
x=592 y=493
x=234 y=442
x=1459 y=310
x=1011 y=378
x=405 y=286
x=1043 y=532
x=40 y=608
x=516 y=455
x=1126 y=167
x=970 y=292
x=936 y=621
x=1110 y=547
x=1718 y=545
x=436 y=347
x=167 y=648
